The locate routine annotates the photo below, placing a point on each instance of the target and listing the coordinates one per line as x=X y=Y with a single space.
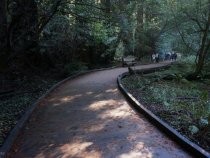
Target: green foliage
x=74 y=67
x=185 y=30
x=184 y=104
x=134 y=82
x=193 y=129
x=119 y=51
x=100 y=32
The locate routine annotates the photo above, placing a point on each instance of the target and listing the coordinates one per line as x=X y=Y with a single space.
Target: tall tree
x=3 y=24
x=192 y=23
x=205 y=44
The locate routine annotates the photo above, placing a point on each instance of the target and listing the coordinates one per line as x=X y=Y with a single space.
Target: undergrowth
x=184 y=104
x=13 y=106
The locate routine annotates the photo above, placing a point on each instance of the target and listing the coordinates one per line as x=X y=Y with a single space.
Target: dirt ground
x=89 y=117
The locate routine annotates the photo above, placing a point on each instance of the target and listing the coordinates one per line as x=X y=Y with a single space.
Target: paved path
x=89 y=117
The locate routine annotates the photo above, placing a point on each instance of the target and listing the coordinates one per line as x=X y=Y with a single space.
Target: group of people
x=171 y=56
x=168 y=56
x=155 y=57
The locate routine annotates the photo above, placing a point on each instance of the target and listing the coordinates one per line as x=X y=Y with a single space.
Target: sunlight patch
x=138 y=151
x=136 y=154
x=111 y=90
x=119 y=112
x=98 y=105
x=70 y=98
x=95 y=128
x=79 y=149
x=41 y=155
x=89 y=93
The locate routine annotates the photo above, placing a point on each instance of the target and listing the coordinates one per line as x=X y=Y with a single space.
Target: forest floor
x=89 y=117
x=16 y=97
x=19 y=91
x=183 y=104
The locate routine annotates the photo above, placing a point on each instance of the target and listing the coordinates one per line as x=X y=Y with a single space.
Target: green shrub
x=74 y=67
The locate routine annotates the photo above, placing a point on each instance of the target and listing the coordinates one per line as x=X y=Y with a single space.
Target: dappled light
x=137 y=153
x=111 y=108
x=112 y=90
x=67 y=99
x=41 y=155
x=102 y=104
x=118 y=112
x=79 y=149
x=70 y=98
x=83 y=119
x=89 y=93
x=95 y=127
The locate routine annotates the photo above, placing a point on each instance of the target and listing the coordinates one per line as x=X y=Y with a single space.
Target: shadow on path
x=89 y=117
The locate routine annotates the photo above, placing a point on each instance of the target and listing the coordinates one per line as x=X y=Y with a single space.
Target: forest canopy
x=68 y=34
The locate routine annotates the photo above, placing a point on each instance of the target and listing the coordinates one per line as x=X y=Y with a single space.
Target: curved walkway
x=89 y=117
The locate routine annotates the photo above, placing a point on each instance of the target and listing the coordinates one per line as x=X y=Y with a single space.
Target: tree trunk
x=125 y=33
x=205 y=44
x=24 y=25
x=3 y=36
x=140 y=16
x=3 y=25
x=107 y=5
x=139 y=28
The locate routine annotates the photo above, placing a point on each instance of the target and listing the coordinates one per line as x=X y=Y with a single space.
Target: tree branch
x=86 y=4
x=194 y=19
x=46 y=21
x=181 y=35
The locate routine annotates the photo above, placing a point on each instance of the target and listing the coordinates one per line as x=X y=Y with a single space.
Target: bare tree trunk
x=140 y=15
x=205 y=44
x=3 y=36
x=3 y=25
x=139 y=27
x=23 y=28
x=26 y=26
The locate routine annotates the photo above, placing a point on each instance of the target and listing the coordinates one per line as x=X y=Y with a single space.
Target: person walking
x=157 y=58
x=153 y=57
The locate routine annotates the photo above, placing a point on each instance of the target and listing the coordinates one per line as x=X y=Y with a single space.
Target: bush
x=74 y=67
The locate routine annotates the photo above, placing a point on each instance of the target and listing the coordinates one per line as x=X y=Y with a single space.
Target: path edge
x=188 y=145
x=9 y=141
